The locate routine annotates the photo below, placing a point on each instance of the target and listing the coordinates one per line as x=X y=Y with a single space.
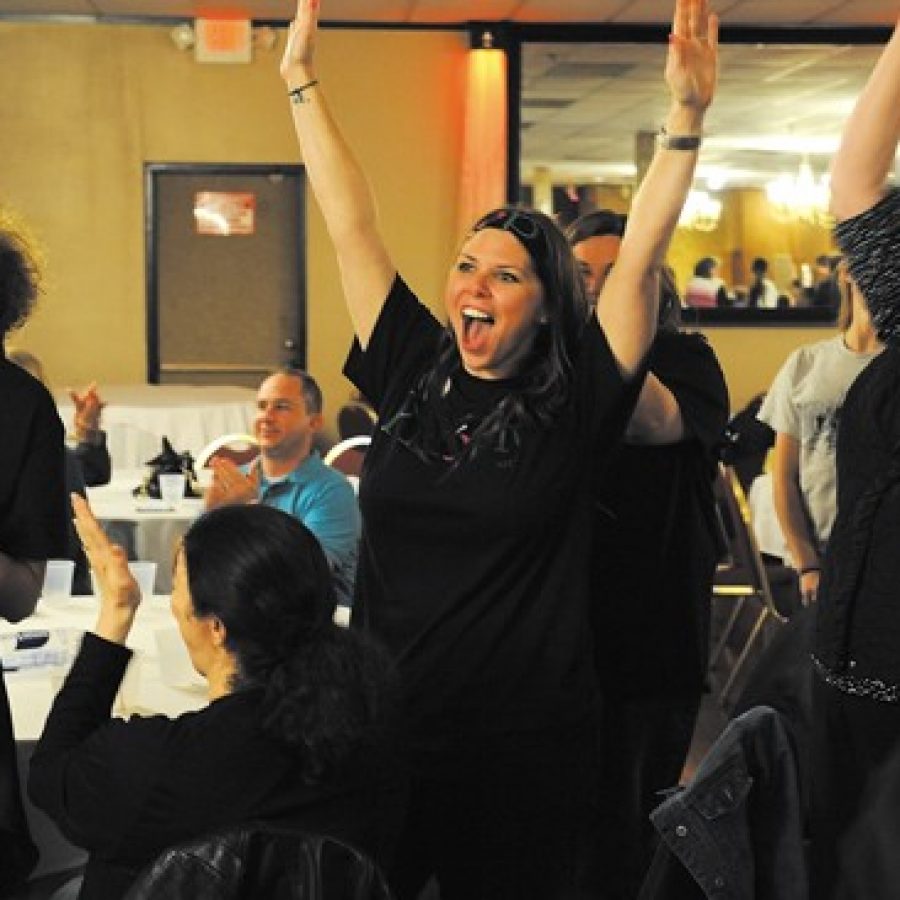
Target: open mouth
x=476 y=323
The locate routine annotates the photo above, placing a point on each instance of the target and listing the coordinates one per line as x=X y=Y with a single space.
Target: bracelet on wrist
x=296 y=94
x=807 y=569
x=678 y=141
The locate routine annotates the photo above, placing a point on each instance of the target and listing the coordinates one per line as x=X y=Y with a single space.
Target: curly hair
x=20 y=277
x=328 y=692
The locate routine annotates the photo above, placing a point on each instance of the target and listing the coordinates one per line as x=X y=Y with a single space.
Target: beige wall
x=750 y=357
x=86 y=105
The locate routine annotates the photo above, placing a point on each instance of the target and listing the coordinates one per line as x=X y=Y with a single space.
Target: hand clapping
x=230 y=486
x=88 y=407
x=120 y=595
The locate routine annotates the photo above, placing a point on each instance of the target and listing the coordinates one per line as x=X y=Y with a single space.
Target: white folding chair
x=239 y=448
x=347 y=456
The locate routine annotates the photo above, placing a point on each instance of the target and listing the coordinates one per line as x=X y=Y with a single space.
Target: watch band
x=678 y=141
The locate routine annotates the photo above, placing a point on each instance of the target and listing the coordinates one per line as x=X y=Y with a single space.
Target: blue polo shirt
x=325 y=502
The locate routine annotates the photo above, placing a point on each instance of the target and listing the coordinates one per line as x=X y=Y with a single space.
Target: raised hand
x=88 y=407
x=297 y=61
x=120 y=595
x=692 y=66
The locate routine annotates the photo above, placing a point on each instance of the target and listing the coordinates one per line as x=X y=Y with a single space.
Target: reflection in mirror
x=589 y=114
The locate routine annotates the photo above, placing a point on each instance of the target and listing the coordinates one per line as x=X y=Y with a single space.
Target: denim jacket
x=737 y=827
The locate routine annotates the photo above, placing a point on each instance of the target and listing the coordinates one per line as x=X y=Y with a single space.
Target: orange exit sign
x=222 y=40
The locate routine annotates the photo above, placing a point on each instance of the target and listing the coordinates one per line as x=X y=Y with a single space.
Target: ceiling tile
x=48 y=7
x=859 y=12
x=782 y=12
x=568 y=11
x=439 y=11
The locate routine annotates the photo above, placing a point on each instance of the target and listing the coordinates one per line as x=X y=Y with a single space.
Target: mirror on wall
x=589 y=113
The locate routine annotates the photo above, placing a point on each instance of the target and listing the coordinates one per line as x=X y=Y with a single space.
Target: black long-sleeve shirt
x=126 y=790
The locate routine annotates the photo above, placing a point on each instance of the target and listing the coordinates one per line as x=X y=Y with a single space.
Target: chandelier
x=801 y=197
x=701 y=211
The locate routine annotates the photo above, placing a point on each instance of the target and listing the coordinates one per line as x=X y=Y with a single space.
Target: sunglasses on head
x=519 y=222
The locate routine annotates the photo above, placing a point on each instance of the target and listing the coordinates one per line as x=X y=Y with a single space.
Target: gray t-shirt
x=805 y=402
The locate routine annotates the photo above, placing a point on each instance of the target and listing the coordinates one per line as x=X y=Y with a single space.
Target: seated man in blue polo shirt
x=291 y=476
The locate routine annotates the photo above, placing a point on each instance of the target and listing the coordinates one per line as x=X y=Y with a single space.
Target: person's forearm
x=869 y=140
x=96 y=465
x=347 y=204
x=801 y=543
x=632 y=285
x=20 y=586
x=337 y=180
x=114 y=624
x=656 y=207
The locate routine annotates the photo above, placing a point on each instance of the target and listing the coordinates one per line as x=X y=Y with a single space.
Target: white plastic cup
x=171 y=487
x=58 y=578
x=145 y=575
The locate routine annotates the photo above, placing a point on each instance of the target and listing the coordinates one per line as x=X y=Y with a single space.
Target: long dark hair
x=543 y=383
x=263 y=574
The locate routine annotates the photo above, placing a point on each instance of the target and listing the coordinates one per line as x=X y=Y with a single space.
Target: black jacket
x=262 y=862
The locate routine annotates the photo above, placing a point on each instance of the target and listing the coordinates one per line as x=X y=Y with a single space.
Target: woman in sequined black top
x=857 y=648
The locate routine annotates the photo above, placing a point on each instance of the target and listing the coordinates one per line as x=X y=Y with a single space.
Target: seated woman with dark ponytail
x=296 y=733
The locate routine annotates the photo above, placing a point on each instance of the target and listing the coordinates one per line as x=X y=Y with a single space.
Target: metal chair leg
x=742 y=658
x=726 y=631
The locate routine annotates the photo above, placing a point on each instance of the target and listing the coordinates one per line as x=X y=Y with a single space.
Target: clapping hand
x=88 y=407
x=120 y=595
x=693 y=60
x=230 y=486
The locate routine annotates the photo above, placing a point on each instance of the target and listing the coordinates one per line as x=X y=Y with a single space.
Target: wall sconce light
x=488 y=35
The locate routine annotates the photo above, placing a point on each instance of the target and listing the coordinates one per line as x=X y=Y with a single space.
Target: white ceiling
x=584 y=103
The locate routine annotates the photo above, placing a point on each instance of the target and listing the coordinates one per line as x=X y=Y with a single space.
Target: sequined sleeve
x=871 y=243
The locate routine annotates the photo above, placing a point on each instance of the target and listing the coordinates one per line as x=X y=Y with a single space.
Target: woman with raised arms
x=478 y=488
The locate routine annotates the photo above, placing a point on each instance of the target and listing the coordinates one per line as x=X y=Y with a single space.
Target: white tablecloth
x=147 y=528
x=137 y=416
x=160 y=677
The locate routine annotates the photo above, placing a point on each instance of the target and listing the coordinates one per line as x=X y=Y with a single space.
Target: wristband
x=296 y=94
x=807 y=569
x=678 y=141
